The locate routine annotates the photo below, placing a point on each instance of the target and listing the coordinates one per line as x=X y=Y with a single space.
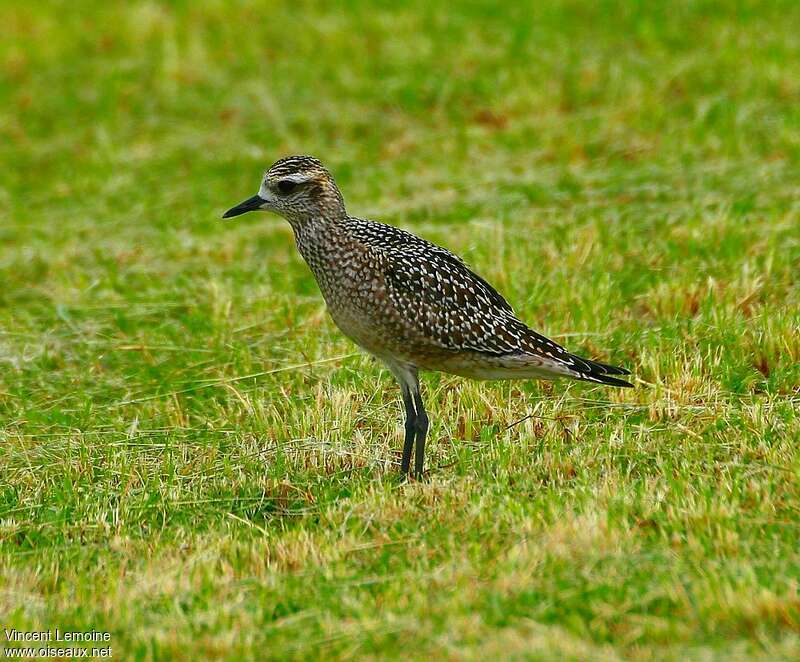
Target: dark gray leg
x=411 y=427
x=422 y=432
x=416 y=418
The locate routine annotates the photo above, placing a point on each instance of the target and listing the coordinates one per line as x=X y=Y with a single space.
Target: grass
x=196 y=461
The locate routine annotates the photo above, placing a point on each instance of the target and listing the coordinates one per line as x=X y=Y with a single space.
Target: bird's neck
x=317 y=229
x=323 y=241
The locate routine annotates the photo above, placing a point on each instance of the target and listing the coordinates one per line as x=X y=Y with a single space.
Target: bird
x=413 y=305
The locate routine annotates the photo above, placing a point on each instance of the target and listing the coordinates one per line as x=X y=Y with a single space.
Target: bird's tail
x=593 y=371
x=552 y=359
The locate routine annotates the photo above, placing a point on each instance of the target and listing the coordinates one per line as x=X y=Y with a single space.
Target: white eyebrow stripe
x=296 y=178
x=264 y=190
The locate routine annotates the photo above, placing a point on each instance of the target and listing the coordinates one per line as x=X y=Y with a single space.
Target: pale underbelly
x=390 y=348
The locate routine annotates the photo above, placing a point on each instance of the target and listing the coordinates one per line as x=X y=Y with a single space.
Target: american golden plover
x=410 y=303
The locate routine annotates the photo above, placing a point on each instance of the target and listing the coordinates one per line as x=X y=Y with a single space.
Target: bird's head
x=299 y=188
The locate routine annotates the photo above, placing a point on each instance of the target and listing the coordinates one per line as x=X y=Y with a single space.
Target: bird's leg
x=411 y=427
x=421 y=423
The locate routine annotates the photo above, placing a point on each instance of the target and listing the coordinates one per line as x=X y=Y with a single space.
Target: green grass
x=195 y=460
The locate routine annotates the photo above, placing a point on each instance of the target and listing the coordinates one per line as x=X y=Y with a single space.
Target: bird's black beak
x=251 y=204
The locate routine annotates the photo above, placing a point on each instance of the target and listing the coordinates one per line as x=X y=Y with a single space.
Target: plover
x=408 y=302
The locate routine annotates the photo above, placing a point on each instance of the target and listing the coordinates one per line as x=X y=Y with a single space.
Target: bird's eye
x=286 y=186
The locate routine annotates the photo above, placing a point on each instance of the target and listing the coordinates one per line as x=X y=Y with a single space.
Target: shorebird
x=408 y=302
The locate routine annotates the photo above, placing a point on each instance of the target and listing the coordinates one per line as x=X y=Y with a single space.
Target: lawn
x=197 y=462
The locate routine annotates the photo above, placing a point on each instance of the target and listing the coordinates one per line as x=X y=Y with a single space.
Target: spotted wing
x=448 y=305
x=396 y=242
x=452 y=308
